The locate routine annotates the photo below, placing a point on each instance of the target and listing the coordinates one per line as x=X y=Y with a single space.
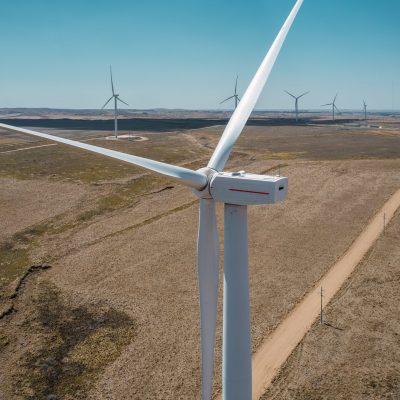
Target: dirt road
x=28 y=148
x=279 y=345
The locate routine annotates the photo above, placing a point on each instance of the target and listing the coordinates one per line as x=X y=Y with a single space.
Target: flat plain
x=354 y=353
x=116 y=315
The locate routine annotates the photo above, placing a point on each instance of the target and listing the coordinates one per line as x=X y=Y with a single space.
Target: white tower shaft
x=236 y=353
x=115 y=117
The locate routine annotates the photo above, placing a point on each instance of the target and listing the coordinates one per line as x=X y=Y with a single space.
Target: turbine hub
x=205 y=192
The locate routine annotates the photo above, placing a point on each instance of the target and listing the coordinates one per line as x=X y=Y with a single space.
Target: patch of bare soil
x=26 y=203
x=356 y=353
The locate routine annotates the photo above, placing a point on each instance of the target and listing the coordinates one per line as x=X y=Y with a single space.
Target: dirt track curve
x=277 y=347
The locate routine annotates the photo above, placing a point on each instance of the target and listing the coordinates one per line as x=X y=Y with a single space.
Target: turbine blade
x=112 y=83
x=249 y=99
x=335 y=98
x=329 y=104
x=107 y=102
x=223 y=101
x=303 y=94
x=290 y=94
x=186 y=176
x=122 y=101
x=336 y=108
x=207 y=264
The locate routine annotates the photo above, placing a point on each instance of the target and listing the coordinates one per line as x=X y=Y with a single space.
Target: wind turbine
x=235 y=95
x=236 y=190
x=333 y=104
x=365 y=110
x=116 y=98
x=296 y=102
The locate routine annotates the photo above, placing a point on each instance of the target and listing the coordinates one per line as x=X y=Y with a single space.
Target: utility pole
x=321 y=309
x=384 y=223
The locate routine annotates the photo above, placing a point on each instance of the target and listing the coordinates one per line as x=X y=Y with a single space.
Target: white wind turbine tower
x=116 y=98
x=333 y=104
x=296 y=102
x=365 y=110
x=236 y=190
x=235 y=95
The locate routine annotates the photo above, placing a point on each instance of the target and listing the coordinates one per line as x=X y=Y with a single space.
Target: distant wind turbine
x=235 y=96
x=296 y=102
x=365 y=110
x=333 y=104
x=116 y=98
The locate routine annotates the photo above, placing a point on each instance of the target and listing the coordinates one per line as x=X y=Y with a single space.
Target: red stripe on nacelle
x=248 y=191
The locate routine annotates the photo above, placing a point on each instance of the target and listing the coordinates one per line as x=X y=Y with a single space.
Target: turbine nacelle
x=244 y=189
x=241 y=188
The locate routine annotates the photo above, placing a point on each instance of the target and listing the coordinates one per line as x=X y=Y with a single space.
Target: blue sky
x=186 y=53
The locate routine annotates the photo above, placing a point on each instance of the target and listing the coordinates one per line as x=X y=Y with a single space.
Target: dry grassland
x=116 y=317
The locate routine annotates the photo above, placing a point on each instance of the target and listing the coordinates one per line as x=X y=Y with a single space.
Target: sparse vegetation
x=79 y=343
x=70 y=164
x=14 y=253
